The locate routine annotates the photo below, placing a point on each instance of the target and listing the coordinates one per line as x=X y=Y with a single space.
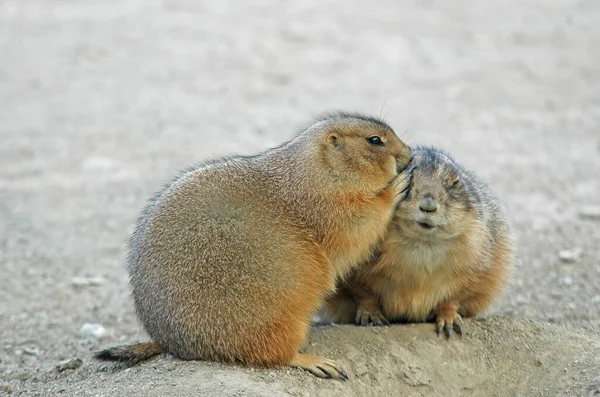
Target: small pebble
x=72 y=363
x=567 y=281
x=86 y=281
x=32 y=351
x=569 y=256
x=8 y=388
x=88 y=330
x=590 y=212
x=521 y=299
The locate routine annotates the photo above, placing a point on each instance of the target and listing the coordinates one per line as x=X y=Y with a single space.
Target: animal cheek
x=387 y=161
x=443 y=196
x=454 y=215
x=406 y=205
x=388 y=165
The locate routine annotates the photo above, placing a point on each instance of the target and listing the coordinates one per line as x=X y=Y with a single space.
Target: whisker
x=381 y=110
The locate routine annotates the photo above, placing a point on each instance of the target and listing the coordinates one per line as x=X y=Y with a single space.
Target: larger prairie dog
x=447 y=254
x=230 y=260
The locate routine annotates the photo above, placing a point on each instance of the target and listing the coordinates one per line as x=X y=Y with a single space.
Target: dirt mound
x=496 y=357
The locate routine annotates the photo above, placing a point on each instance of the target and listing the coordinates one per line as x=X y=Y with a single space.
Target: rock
x=567 y=281
x=86 y=281
x=570 y=256
x=32 y=351
x=91 y=331
x=72 y=363
x=590 y=212
x=522 y=299
x=8 y=388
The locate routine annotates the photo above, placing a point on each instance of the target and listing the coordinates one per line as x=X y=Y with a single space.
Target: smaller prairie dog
x=447 y=254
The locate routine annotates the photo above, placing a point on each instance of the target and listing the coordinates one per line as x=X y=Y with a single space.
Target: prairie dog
x=231 y=259
x=448 y=253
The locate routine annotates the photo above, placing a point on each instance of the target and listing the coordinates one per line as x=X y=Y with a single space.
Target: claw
x=327 y=375
x=449 y=321
x=319 y=366
x=364 y=318
x=379 y=321
x=343 y=375
x=458 y=328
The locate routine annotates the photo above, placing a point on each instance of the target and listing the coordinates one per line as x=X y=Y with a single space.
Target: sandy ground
x=102 y=101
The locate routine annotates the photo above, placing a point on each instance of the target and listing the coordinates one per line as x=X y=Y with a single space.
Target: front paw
x=366 y=316
x=401 y=184
x=448 y=320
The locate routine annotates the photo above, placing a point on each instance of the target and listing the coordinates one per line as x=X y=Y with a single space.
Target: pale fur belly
x=418 y=283
x=403 y=302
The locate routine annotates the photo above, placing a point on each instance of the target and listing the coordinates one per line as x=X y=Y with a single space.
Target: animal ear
x=453 y=181
x=332 y=139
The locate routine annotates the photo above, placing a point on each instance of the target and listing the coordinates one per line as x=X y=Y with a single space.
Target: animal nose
x=428 y=204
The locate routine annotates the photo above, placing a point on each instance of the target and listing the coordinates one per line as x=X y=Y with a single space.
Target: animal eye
x=375 y=140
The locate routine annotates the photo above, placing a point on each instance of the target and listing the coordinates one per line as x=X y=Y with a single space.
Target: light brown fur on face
x=447 y=254
x=230 y=260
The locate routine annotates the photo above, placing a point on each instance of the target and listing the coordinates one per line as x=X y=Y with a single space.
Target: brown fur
x=230 y=261
x=458 y=267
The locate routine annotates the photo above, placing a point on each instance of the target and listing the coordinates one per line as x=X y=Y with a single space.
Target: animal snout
x=403 y=160
x=428 y=204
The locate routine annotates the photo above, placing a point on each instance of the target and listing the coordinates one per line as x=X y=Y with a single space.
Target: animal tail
x=132 y=354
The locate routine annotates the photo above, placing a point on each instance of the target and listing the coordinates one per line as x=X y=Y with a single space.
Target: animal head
x=440 y=200
x=361 y=150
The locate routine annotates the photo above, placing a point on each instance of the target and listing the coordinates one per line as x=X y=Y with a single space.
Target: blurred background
x=102 y=101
